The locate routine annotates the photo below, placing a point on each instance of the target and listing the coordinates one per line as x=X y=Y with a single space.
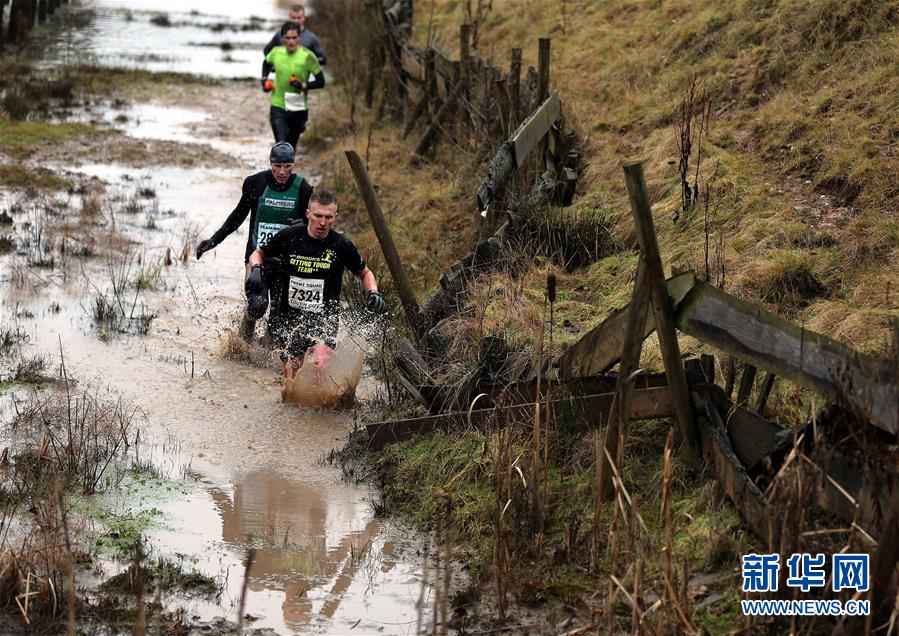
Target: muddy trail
x=129 y=311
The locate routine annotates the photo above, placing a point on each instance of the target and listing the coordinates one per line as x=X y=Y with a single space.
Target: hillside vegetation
x=798 y=162
x=794 y=207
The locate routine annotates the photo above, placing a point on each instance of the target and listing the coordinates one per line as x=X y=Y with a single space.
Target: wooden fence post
x=431 y=133
x=764 y=392
x=620 y=414
x=382 y=231
x=13 y=18
x=661 y=306
x=464 y=43
x=542 y=71
x=504 y=106
x=515 y=86
x=746 y=383
x=430 y=88
x=2 y=33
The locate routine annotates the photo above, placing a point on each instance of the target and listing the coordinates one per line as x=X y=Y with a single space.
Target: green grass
x=444 y=482
x=22 y=139
x=18 y=176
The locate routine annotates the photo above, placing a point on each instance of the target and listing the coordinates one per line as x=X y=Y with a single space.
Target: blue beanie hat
x=282 y=152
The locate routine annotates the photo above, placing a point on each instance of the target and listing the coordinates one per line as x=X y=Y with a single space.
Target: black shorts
x=297 y=333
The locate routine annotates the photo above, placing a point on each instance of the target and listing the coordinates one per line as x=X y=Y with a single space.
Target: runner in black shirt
x=313 y=258
x=273 y=199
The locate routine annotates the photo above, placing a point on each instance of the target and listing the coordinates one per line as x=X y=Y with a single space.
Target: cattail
x=551 y=287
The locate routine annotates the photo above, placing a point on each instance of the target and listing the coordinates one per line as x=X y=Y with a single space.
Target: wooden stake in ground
x=388 y=247
x=661 y=307
x=624 y=388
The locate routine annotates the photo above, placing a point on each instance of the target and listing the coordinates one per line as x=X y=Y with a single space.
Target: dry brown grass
x=802 y=127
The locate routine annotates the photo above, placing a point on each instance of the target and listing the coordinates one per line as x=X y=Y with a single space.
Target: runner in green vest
x=273 y=199
x=296 y=72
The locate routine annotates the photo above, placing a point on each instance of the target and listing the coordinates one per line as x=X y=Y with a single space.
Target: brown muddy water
x=323 y=563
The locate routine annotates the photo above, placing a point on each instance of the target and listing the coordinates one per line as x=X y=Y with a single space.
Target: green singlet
x=301 y=63
x=276 y=210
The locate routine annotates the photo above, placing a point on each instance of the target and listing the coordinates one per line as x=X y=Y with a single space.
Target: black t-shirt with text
x=311 y=270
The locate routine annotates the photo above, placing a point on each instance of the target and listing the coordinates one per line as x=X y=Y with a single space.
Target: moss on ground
x=22 y=139
x=17 y=176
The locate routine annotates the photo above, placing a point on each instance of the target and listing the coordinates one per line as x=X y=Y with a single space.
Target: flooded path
x=322 y=563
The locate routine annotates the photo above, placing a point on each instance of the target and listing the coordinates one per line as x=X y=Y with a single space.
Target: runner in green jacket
x=296 y=71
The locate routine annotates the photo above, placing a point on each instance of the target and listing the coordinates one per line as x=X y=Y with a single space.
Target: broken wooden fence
x=738 y=445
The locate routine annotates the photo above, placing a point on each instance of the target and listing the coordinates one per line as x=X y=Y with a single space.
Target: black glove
x=297 y=84
x=204 y=247
x=300 y=221
x=255 y=284
x=376 y=302
x=267 y=85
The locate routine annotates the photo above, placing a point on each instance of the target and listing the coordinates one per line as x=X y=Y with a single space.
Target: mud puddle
x=322 y=560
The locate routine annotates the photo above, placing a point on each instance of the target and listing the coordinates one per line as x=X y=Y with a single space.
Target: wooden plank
x=662 y=309
x=752 y=437
x=647 y=404
x=747 y=381
x=533 y=129
x=804 y=357
x=727 y=467
x=526 y=391
x=624 y=388
x=498 y=173
x=600 y=348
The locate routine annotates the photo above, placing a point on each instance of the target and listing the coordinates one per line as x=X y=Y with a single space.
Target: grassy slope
x=802 y=108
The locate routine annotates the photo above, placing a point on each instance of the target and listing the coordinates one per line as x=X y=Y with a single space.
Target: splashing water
x=327 y=377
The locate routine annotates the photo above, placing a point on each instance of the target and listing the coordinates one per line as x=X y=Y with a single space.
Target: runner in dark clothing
x=308 y=39
x=313 y=258
x=273 y=199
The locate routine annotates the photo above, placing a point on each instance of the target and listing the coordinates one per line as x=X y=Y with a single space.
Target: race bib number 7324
x=306 y=294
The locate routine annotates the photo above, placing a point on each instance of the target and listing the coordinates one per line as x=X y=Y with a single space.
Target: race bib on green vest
x=276 y=210
x=294 y=101
x=306 y=294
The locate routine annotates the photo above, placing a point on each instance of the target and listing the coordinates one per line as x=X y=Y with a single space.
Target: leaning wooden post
x=382 y=231
x=431 y=133
x=464 y=38
x=620 y=413
x=661 y=307
x=515 y=85
x=542 y=71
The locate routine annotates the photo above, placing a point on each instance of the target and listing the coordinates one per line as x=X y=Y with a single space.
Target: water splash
x=328 y=377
